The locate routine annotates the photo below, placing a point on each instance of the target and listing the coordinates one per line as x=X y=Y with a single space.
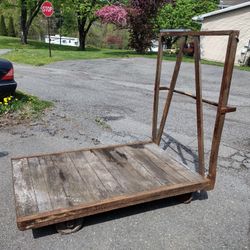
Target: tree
x=142 y=25
x=84 y=11
x=179 y=15
x=138 y=16
x=11 y=28
x=29 y=10
x=3 y=29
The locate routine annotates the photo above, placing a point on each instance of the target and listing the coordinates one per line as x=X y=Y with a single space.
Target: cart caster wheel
x=69 y=227
x=185 y=198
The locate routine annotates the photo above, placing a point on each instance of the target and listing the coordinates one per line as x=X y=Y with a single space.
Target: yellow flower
x=5 y=99
x=1 y=103
x=6 y=103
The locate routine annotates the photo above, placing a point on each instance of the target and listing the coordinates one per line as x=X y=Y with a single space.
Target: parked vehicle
x=7 y=82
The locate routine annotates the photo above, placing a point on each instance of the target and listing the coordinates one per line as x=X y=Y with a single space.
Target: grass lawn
x=36 y=53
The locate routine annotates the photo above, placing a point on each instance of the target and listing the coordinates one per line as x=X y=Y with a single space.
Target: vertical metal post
x=156 y=89
x=224 y=93
x=48 y=21
x=171 y=91
x=199 y=108
x=60 y=27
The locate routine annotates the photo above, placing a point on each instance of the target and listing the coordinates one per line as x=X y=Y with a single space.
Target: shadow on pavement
x=185 y=154
x=3 y=154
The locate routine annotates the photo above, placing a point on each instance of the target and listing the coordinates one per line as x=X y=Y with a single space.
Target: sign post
x=48 y=11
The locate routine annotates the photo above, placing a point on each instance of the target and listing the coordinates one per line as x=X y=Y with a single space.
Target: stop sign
x=47 y=9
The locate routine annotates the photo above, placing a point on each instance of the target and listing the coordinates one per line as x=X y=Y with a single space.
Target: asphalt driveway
x=110 y=101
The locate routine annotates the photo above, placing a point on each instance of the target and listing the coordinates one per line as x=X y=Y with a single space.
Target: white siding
x=214 y=48
x=234 y=2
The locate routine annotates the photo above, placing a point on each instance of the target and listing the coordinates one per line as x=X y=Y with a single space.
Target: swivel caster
x=69 y=227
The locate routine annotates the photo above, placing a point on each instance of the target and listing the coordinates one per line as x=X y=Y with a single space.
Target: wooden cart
x=59 y=187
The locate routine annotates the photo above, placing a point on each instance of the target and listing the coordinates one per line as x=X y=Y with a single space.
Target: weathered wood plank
x=88 y=174
x=152 y=166
x=118 y=155
x=90 y=182
x=57 y=194
x=75 y=187
x=40 y=185
x=83 y=149
x=25 y=198
x=82 y=210
x=178 y=166
x=140 y=168
x=171 y=173
x=172 y=168
x=122 y=176
x=107 y=179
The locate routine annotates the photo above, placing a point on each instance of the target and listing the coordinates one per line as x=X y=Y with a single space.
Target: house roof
x=218 y=12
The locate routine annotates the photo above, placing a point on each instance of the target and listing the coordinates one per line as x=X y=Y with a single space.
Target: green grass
x=23 y=106
x=36 y=53
x=100 y=122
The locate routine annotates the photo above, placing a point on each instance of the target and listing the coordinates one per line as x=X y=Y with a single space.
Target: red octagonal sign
x=47 y=9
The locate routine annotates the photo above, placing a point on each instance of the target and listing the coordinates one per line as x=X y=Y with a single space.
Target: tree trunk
x=26 y=20
x=23 y=21
x=24 y=36
x=81 y=21
x=84 y=25
x=82 y=39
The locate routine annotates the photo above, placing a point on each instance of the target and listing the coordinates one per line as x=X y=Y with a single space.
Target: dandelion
x=5 y=99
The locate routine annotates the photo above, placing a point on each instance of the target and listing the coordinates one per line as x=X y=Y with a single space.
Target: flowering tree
x=115 y=14
x=138 y=16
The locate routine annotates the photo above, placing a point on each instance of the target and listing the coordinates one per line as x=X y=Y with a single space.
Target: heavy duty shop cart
x=65 y=186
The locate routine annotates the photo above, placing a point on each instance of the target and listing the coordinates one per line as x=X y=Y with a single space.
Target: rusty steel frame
x=222 y=107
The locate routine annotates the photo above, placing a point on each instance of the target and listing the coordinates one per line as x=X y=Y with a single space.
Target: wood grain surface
x=81 y=183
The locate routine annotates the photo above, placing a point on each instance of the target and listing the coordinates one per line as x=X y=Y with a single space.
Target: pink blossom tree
x=115 y=14
x=138 y=16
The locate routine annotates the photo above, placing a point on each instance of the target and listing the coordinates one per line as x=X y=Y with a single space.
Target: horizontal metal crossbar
x=223 y=110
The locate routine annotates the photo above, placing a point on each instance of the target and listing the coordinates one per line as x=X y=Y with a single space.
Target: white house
x=236 y=17
x=63 y=40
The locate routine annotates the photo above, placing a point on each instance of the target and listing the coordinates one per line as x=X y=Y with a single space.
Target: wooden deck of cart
x=64 y=186
x=53 y=188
